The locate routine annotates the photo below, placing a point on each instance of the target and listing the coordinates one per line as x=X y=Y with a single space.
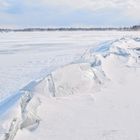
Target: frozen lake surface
x=70 y=85
x=26 y=56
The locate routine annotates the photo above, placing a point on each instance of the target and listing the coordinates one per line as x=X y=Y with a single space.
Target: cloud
x=127 y=7
x=77 y=4
x=132 y=9
x=69 y=12
x=4 y=4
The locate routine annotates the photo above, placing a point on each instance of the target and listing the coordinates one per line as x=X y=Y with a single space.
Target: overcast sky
x=69 y=13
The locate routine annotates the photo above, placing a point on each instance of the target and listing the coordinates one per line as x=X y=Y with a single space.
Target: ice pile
x=69 y=89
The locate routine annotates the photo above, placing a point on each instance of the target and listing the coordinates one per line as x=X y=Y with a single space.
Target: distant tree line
x=133 y=28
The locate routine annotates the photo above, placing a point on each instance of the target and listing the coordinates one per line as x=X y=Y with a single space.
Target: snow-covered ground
x=70 y=85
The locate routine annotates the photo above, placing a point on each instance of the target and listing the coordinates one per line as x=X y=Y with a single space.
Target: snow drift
x=96 y=97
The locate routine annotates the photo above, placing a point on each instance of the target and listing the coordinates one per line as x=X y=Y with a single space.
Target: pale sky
x=69 y=13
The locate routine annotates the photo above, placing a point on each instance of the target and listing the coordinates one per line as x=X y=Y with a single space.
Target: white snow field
x=70 y=85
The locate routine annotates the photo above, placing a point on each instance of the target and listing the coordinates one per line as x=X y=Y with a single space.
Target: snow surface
x=90 y=91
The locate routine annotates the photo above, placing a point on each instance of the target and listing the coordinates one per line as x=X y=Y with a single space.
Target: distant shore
x=133 y=28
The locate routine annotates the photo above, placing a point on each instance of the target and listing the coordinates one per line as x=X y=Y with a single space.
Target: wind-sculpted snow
x=96 y=97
